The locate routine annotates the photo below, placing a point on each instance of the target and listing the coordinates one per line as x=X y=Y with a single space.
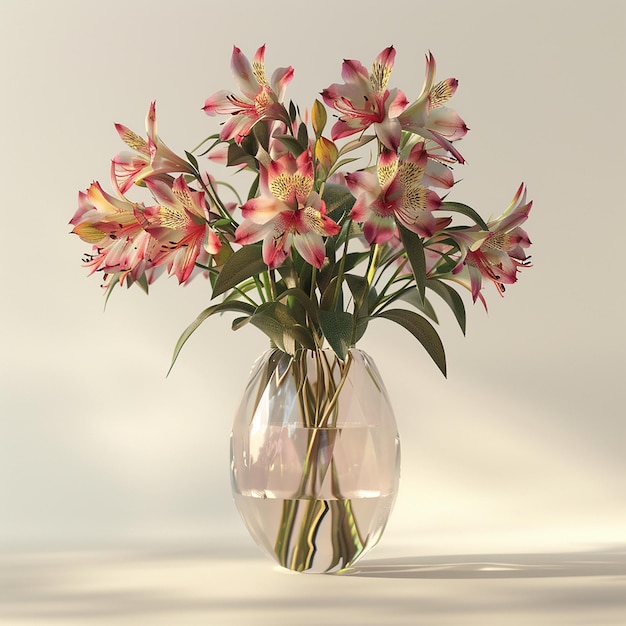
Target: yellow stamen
x=185 y=198
x=410 y=174
x=498 y=241
x=440 y=94
x=284 y=185
x=258 y=69
x=387 y=172
x=380 y=77
x=171 y=218
x=263 y=101
x=134 y=141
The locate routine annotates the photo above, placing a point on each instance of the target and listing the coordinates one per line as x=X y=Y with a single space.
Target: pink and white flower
x=499 y=254
x=364 y=100
x=287 y=212
x=120 y=244
x=428 y=117
x=394 y=191
x=260 y=99
x=151 y=159
x=180 y=224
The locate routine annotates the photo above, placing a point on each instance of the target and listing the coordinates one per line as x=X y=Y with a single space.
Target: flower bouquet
x=341 y=224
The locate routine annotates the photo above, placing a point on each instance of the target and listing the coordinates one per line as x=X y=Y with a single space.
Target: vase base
x=315 y=535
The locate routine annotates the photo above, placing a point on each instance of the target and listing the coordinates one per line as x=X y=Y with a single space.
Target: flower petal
x=446 y=122
x=276 y=248
x=251 y=232
x=310 y=245
x=381 y=69
x=244 y=74
x=389 y=132
x=263 y=209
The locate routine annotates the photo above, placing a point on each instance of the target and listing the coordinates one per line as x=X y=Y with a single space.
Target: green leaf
x=112 y=284
x=241 y=307
x=451 y=297
x=237 y=156
x=291 y=143
x=459 y=207
x=341 y=163
x=355 y=144
x=250 y=145
x=360 y=288
x=303 y=135
x=246 y=262
x=361 y=327
x=192 y=159
x=262 y=135
x=327 y=271
x=254 y=187
x=328 y=297
x=338 y=200
x=308 y=304
x=422 y=330
x=415 y=251
x=240 y=322
x=412 y=297
x=318 y=118
x=354 y=258
x=292 y=111
x=277 y=322
x=337 y=328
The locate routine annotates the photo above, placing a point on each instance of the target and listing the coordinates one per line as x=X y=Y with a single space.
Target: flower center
x=287 y=187
x=263 y=100
x=497 y=241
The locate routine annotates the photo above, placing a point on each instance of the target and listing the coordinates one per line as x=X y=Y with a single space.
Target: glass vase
x=315 y=458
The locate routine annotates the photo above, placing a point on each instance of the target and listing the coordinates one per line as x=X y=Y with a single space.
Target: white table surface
x=241 y=586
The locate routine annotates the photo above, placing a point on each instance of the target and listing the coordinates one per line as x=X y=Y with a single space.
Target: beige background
x=520 y=450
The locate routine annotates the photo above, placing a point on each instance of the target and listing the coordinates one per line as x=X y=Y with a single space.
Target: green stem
x=385 y=302
x=212 y=193
x=393 y=278
x=244 y=295
x=342 y=265
x=317 y=404
x=259 y=287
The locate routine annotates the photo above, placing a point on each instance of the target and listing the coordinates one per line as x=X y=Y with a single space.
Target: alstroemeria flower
x=287 y=212
x=120 y=244
x=394 y=191
x=152 y=158
x=499 y=253
x=364 y=100
x=180 y=223
x=429 y=118
x=261 y=98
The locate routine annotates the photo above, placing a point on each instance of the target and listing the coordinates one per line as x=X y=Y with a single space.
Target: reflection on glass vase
x=315 y=458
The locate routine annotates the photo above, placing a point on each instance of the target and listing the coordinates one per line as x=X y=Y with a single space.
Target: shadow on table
x=610 y=562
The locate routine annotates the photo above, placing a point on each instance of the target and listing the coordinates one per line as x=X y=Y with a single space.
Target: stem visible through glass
x=319 y=407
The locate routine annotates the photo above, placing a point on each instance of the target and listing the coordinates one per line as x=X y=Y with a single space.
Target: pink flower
x=499 y=255
x=261 y=99
x=287 y=212
x=364 y=100
x=120 y=244
x=394 y=191
x=429 y=118
x=152 y=158
x=180 y=224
